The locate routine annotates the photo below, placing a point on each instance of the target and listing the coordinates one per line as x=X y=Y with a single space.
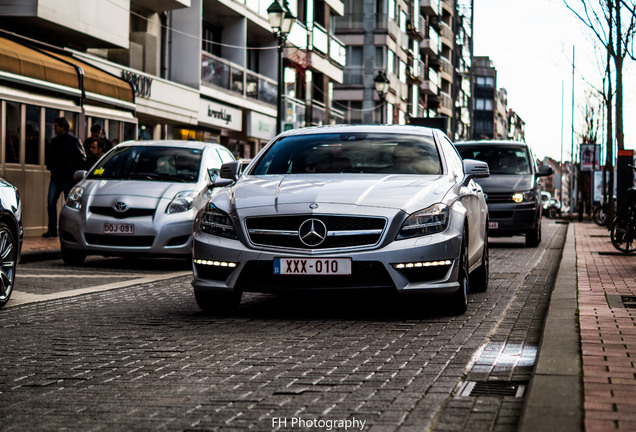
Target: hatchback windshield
x=351 y=153
x=152 y=163
x=500 y=159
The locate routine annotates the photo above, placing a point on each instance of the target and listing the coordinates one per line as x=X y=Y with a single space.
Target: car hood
x=135 y=188
x=405 y=192
x=506 y=183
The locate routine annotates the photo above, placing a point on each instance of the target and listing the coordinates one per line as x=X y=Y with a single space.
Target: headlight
x=428 y=221
x=183 y=201
x=217 y=222
x=523 y=196
x=74 y=199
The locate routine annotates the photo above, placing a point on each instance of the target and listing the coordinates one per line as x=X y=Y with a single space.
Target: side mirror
x=79 y=175
x=475 y=169
x=231 y=170
x=545 y=171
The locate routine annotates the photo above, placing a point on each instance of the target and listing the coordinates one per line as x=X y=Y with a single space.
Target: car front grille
x=129 y=213
x=341 y=231
x=119 y=240
x=259 y=276
x=499 y=197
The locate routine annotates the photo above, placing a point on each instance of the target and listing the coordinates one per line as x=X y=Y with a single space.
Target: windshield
x=160 y=163
x=500 y=159
x=351 y=153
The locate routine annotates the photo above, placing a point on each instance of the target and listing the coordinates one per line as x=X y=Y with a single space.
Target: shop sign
x=220 y=115
x=261 y=126
x=140 y=83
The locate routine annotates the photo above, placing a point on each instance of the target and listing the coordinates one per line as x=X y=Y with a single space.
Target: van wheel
x=533 y=236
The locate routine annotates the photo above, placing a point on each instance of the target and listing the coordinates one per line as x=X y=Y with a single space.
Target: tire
x=623 y=236
x=458 y=302
x=72 y=257
x=218 y=303
x=599 y=216
x=479 y=278
x=8 y=263
x=533 y=236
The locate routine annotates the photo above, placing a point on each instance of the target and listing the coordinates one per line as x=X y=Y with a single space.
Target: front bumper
x=512 y=219
x=231 y=266
x=162 y=235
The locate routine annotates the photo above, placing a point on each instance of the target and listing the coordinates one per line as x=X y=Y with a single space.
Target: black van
x=513 y=189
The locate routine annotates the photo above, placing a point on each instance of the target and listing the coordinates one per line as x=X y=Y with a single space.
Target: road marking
x=19 y=298
x=60 y=276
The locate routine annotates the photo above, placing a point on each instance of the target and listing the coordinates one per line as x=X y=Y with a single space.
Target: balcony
x=430 y=45
x=220 y=73
x=319 y=114
x=353 y=75
x=429 y=7
x=448 y=6
x=446 y=69
x=349 y=22
x=447 y=34
x=160 y=5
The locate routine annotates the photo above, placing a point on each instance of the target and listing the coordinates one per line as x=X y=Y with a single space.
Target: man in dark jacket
x=64 y=156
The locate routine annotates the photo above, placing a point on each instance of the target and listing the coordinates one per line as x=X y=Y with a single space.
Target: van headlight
x=431 y=220
x=183 y=201
x=74 y=199
x=217 y=222
x=520 y=197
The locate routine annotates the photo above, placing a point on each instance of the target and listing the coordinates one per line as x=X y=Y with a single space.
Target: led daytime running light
x=400 y=266
x=214 y=263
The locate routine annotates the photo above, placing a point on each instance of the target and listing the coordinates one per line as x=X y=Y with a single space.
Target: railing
x=328 y=44
x=229 y=76
x=447 y=32
x=294 y=110
x=445 y=100
x=350 y=22
x=353 y=75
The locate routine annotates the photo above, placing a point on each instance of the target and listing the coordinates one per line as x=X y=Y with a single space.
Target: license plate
x=119 y=228
x=493 y=225
x=312 y=266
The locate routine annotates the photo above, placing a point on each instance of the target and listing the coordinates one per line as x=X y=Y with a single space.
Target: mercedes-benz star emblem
x=120 y=206
x=313 y=206
x=312 y=232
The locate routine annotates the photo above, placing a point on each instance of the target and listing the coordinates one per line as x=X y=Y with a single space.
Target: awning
x=59 y=72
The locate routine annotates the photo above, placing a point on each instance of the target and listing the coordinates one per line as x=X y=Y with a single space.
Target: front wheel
x=623 y=235
x=533 y=236
x=599 y=216
x=72 y=257
x=479 y=278
x=216 y=302
x=458 y=302
x=8 y=262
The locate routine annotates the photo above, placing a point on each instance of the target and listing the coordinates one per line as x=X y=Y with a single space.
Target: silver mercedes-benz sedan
x=345 y=207
x=139 y=199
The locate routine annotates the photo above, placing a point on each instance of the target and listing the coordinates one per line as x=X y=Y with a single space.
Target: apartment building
x=416 y=45
x=156 y=69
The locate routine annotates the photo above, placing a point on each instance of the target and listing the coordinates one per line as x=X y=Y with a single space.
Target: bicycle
x=623 y=227
x=599 y=216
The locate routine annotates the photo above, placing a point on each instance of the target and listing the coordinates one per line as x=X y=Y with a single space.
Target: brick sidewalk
x=40 y=244
x=608 y=330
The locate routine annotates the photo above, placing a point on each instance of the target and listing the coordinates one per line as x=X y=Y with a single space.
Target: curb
x=555 y=394
x=40 y=255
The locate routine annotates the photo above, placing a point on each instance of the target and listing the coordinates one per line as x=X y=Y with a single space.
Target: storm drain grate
x=629 y=301
x=492 y=389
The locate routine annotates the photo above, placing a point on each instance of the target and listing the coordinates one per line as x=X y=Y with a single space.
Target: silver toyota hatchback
x=140 y=199
x=345 y=207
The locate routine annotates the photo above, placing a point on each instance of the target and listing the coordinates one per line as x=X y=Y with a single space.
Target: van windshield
x=511 y=160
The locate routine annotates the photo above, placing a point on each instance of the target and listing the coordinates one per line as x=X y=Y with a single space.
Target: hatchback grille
x=124 y=241
x=131 y=212
x=259 y=276
x=342 y=231
x=500 y=197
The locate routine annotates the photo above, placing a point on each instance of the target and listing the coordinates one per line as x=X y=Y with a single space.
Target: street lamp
x=381 y=82
x=281 y=20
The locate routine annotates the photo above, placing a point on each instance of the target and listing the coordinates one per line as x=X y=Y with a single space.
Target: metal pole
x=573 y=200
x=279 y=96
x=561 y=161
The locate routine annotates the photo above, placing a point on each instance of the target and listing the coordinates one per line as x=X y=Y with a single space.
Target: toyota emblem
x=312 y=232
x=120 y=207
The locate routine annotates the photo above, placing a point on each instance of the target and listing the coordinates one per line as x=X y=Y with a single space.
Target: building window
x=12 y=139
x=354 y=55
x=485 y=81
x=483 y=104
x=32 y=135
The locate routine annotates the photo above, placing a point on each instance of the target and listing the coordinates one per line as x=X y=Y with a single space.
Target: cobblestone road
x=144 y=358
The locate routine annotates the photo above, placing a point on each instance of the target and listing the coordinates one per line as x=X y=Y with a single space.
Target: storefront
x=38 y=85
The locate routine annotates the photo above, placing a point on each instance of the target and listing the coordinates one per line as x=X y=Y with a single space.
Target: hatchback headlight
x=520 y=197
x=74 y=199
x=217 y=222
x=183 y=201
x=431 y=220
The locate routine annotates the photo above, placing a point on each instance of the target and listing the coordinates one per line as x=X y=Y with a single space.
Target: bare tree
x=605 y=19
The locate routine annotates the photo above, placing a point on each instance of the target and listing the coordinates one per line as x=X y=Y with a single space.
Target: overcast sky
x=530 y=44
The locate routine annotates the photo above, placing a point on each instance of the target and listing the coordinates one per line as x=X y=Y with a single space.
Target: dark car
x=10 y=237
x=513 y=190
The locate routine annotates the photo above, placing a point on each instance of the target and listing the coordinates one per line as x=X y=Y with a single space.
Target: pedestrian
x=96 y=151
x=97 y=132
x=64 y=155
